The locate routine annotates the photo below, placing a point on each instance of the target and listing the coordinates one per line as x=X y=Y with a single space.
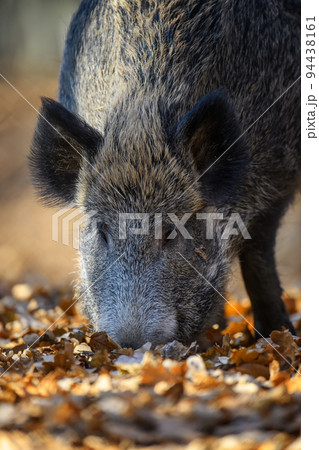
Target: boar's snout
x=127 y=339
x=135 y=333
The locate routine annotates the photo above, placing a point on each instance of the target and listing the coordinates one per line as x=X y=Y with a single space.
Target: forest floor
x=63 y=388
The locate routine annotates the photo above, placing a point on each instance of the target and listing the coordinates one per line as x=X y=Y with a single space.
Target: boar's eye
x=103 y=232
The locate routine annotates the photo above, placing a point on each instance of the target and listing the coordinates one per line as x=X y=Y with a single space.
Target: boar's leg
x=258 y=265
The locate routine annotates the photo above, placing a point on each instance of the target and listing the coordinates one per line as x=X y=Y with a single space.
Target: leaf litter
x=65 y=388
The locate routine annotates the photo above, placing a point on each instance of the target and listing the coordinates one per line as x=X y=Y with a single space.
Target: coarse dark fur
x=152 y=93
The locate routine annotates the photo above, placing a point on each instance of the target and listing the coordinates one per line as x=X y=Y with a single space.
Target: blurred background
x=32 y=35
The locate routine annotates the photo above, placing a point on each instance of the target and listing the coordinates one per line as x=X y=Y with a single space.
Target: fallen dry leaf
x=72 y=390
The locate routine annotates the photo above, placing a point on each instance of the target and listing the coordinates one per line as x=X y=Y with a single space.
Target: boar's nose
x=130 y=344
x=130 y=339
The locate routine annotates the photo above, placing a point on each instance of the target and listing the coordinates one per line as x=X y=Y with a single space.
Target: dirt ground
x=27 y=251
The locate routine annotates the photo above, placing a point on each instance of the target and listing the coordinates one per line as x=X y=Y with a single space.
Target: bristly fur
x=146 y=64
x=145 y=116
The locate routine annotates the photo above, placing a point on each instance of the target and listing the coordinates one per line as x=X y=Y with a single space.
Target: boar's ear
x=212 y=132
x=61 y=142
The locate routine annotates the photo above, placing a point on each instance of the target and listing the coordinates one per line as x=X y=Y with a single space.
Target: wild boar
x=175 y=109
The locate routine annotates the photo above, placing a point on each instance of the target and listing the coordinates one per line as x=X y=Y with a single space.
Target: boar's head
x=158 y=282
